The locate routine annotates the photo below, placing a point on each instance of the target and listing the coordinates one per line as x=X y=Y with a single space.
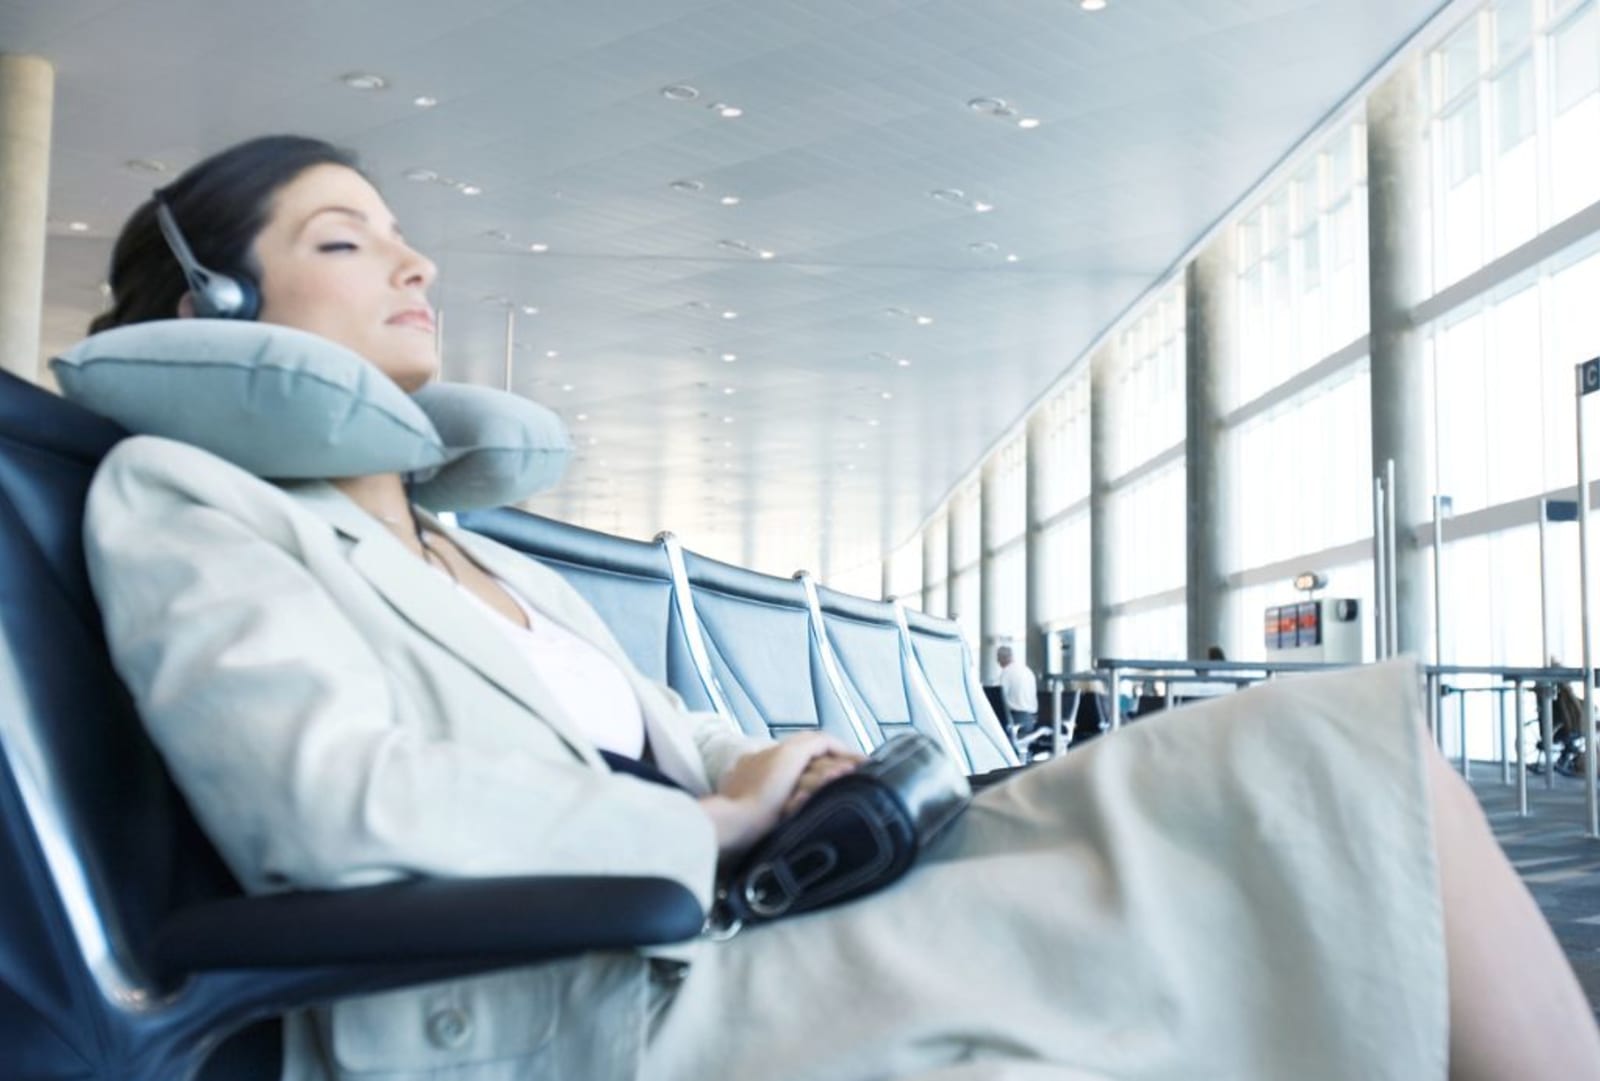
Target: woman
x=1298 y=887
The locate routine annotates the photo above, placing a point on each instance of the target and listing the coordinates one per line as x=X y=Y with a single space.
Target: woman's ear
x=186 y=306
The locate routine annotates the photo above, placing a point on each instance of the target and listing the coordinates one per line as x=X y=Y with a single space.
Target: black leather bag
x=856 y=834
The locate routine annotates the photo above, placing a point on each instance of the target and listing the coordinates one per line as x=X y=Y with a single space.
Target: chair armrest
x=454 y=923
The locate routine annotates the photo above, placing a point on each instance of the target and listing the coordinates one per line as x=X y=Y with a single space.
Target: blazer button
x=449 y=1028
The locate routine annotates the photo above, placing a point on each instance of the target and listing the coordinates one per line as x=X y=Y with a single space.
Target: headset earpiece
x=216 y=296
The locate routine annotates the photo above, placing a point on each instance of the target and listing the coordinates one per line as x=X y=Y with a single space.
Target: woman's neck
x=382 y=495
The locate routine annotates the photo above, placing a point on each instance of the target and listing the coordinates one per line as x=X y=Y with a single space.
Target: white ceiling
x=1157 y=115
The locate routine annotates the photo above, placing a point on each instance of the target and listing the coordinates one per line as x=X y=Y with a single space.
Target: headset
x=216 y=296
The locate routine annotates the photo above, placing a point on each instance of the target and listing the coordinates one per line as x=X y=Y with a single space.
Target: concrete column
x=1210 y=288
x=1397 y=241
x=1102 y=550
x=1040 y=470
x=927 y=574
x=952 y=559
x=886 y=578
x=988 y=586
x=27 y=92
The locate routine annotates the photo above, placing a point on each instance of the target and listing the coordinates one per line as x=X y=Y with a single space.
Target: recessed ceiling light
x=872 y=422
x=730 y=315
x=982 y=207
x=989 y=106
x=583 y=416
x=468 y=189
x=1028 y=123
x=949 y=195
x=850 y=465
x=529 y=309
x=78 y=226
x=423 y=101
x=551 y=353
x=924 y=320
x=364 y=80
x=538 y=247
x=729 y=200
x=727 y=420
x=1093 y=5
x=421 y=176
x=679 y=92
x=727 y=390
x=566 y=386
x=728 y=443
x=594 y=439
x=767 y=253
x=687 y=186
x=729 y=358
x=861 y=446
x=904 y=362
x=983 y=247
x=886 y=395
x=1012 y=257
x=727 y=112
x=145 y=165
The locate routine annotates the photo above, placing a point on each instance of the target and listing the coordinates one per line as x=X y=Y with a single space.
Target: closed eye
x=336 y=245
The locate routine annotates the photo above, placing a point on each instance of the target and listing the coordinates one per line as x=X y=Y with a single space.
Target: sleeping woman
x=1284 y=883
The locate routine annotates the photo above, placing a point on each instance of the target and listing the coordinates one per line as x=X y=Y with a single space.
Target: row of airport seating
x=774 y=655
x=127 y=950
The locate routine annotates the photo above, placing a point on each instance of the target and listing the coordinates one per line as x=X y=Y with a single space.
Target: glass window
x=1513 y=27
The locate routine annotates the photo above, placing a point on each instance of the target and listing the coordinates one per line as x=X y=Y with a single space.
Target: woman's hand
x=818 y=772
x=755 y=792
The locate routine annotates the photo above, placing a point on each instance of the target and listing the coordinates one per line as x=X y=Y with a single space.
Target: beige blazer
x=338 y=714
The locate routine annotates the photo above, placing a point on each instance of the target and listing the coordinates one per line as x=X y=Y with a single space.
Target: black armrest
x=452 y=924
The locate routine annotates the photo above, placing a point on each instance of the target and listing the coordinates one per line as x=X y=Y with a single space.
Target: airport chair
x=631 y=584
x=774 y=670
x=127 y=952
x=883 y=674
x=942 y=655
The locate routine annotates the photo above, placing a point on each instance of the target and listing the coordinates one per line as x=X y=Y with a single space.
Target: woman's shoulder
x=150 y=477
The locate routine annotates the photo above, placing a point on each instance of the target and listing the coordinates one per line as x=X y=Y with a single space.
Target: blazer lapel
x=429 y=602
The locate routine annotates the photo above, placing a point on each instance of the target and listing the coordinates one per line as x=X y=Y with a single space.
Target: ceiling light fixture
x=566 y=386
x=727 y=420
x=468 y=189
x=767 y=253
x=583 y=416
x=983 y=247
x=924 y=320
x=421 y=176
x=730 y=314
x=1093 y=5
x=903 y=362
x=729 y=200
x=1012 y=257
x=727 y=390
x=529 y=309
x=538 y=247
x=729 y=358
x=364 y=80
x=78 y=226
x=990 y=106
x=1028 y=123
x=982 y=207
x=886 y=395
x=734 y=245
x=726 y=111
x=949 y=195
x=423 y=101
x=688 y=187
x=679 y=92
x=551 y=353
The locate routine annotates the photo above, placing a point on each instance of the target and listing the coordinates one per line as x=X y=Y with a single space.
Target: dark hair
x=221 y=204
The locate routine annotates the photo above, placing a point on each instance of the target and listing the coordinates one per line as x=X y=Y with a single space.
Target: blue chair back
x=96 y=846
x=942 y=652
x=766 y=656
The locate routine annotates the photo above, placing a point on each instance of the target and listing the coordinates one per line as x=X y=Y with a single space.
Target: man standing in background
x=1020 y=688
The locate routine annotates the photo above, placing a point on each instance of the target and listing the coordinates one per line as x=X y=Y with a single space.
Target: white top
x=584 y=681
x=1020 y=688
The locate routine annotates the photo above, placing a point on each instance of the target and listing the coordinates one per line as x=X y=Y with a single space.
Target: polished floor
x=1555 y=857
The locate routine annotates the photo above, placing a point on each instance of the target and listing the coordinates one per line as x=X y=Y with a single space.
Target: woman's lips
x=420 y=320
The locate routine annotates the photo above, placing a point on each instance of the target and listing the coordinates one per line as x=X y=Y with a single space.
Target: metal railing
x=1217 y=676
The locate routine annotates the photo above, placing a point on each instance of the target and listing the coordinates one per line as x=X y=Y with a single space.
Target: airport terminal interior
x=1171 y=347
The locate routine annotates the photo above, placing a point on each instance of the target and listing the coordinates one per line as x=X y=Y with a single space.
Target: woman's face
x=332 y=261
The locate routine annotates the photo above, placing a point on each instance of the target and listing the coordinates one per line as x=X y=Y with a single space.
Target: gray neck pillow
x=288 y=405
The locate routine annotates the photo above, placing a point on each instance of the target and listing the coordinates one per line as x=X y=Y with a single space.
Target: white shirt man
x=1020 y=688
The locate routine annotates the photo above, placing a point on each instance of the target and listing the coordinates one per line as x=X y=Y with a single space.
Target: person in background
x=1214 y=653
x=1021 y=690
